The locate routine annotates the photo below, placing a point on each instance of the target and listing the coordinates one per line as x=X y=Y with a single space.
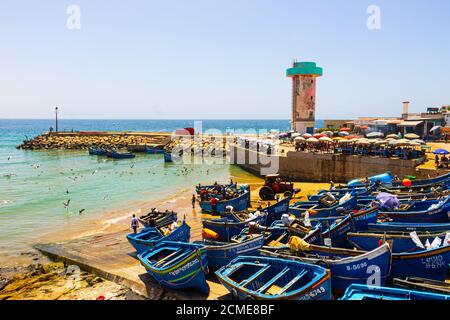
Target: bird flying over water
x=81 y=211
x=66 y=204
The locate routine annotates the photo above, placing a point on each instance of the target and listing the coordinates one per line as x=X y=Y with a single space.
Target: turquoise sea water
x=34 y=184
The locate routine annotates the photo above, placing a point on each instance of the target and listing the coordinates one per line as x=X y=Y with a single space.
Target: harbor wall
x=317 y=167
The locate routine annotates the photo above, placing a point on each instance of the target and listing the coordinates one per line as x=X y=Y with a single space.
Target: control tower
x=303 y=76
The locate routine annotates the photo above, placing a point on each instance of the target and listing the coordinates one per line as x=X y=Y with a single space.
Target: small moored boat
x=177 y=265
x=264 y=278
x=157 y=218
x=119 y=155
x=149 y=237
x=364 y=292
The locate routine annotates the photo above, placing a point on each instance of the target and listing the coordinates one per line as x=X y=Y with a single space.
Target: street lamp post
x=56 y=113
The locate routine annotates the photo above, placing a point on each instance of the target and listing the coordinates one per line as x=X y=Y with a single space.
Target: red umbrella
x=319 y=135
x=364 y=127
x=346 y=129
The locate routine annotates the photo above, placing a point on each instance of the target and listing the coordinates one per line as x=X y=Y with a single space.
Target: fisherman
x=134 y=223
x=193 y=201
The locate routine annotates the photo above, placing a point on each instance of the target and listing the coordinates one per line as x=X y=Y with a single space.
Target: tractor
x=274 y=185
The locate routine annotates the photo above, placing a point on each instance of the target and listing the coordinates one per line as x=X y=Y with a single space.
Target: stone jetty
x=84 y=140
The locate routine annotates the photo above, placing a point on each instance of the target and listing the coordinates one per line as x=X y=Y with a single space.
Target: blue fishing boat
x=384 y=178
x=400 y=242
x=433 y=211
x=239 y=203
x=338 y=193
x=346 y=266
x=152 y=150
x=322 y=210
x=421 y=284
x=224 y=229
x=422 y=183
x=149 y=237
x=222 y=253
x=156 y=218
x=408 y=227
x=119 y=155
x=363 y=217
x=336 y=230
x=273 y=212
x=97 y=151
x=167 y=157
x=264 y=278
x=177 y=265
x=429 y=264
x=364 y=292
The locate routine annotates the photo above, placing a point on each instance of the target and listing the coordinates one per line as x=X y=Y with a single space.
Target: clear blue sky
x=220 y=58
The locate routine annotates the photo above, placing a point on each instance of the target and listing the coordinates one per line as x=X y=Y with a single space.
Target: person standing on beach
x=193 y=201
x=134 y=223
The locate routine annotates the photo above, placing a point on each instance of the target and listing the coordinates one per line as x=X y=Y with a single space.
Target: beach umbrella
x=381 y=142
x=401 y=142
x=393 y=136
x=307 y=135
x=299 y=139
x=338 y=138
x=419 y=141
x=343 y=133
x=414 y=144
x=326 y=139
x=328 y=133
x=319 y=135
x=441 y=152
x=362 y=141
x=294 y=135
x=411 y=136
x=312 y=140
x=375 y=135
x=435 y=128
x=364 y=127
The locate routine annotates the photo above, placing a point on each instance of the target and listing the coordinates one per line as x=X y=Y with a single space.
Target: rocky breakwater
x=85 y=141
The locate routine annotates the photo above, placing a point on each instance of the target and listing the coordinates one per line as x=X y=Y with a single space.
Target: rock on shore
x=59 y=141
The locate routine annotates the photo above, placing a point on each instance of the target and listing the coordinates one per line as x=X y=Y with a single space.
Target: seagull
x=9 y=158
x=67 y=191
x=81 y=211
x=66 y=204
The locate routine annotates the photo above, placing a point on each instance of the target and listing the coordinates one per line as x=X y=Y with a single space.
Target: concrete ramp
x=110 y=256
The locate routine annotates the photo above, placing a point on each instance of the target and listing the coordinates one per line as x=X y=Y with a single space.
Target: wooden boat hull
x=116 y=155
x=256 y=277
x=227 y=229
x=346 y=267
x=337 y=232
x=167 y=157
x=299 y=211
x=408 y=227
x=420 y=284
x=435 y=215
x=364 y=292
x=151 y=150
x=158 y=219
x=384 y=178
x=149 y=237
x=400 y=242
x=240 y=203
x=188 y=269
x=429 y=264
x=222 y=253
